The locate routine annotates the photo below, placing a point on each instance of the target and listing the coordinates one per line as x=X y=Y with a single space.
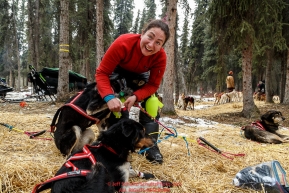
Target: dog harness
x=76 y=172
x=77 y=109
x=258 y=125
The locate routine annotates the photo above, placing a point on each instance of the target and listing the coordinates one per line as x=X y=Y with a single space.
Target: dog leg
x=87 y=137
x=82 y=138
x=77 y=132
x=125 y=171
x=267 y=137
x=135 y=173
x=102 y=124
x=284 y=137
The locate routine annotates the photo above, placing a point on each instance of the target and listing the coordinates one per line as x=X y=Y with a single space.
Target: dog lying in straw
x=102 y=167
x=265 y=130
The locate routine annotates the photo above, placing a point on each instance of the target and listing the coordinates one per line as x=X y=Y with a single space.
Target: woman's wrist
x=135 y=97
x=108 y=97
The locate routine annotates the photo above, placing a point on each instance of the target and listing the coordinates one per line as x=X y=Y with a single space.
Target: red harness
x=77 y=109
x=258 y=125
x=86 y=154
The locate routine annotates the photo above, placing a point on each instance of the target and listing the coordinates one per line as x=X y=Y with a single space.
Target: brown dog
x=265 y=130
x=217 y=97
x=262 y=97
x=188 y=101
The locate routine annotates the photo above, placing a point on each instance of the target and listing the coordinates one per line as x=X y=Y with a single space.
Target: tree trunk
x=86 y=63
x=63 y=79
x=31 y=40
x=36 y=33
x=17 y=50
x=11 y=78
x=168 y=98
x=249 y=107
x=286 y=97
x=268 y=79
x=283 y=76
x=99 y=31
x=177 y=82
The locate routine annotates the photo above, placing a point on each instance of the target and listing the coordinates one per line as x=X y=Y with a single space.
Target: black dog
x=265 y=131
x=103 y=166
x=72 y=127
x=189 y=101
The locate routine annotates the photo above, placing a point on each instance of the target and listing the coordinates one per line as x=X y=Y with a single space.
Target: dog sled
x=45 y=82
x=4 y=88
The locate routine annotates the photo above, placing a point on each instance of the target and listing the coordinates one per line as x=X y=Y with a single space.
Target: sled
x=4 y=88
x=45 y=82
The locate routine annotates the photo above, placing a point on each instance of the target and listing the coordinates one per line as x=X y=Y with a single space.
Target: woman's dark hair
x=158 y=23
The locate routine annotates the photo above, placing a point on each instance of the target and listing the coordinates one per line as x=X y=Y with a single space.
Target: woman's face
x=152 y=41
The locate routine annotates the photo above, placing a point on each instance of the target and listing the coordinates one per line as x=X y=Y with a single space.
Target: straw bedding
x=26 y=162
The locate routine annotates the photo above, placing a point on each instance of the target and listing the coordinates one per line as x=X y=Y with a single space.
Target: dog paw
x=286 y=138
x=167 y=184
x=148 y=176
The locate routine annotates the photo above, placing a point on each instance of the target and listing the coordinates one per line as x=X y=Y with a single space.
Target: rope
x=171 y=134
x=175 y=135
x=31 y=135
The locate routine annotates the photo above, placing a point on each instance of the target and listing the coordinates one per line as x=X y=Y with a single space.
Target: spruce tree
x=123 y=16
x=142 y=21
x=150 y=6
x=135 y=28
x=244 y=24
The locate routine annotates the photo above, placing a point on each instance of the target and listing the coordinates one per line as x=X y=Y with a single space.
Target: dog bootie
x=153 y=154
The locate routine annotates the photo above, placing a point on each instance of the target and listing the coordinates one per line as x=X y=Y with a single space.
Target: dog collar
x=101 y=144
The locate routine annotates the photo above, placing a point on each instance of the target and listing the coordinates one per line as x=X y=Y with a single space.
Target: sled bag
x=268 y=176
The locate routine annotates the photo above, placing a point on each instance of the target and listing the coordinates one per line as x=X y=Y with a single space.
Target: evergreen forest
x=248 y=37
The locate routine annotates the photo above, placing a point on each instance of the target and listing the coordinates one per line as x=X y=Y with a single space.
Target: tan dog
x=217 y=97
x=261 y=97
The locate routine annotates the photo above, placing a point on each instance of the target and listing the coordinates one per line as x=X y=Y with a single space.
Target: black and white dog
x=102 y=167
x=265 y=130
x=72 y=121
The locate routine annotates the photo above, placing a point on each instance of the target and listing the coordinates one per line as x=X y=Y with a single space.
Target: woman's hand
x=130 y=102
x=114 y=105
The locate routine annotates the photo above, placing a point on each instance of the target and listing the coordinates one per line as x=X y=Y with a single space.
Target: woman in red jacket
x=136 y=56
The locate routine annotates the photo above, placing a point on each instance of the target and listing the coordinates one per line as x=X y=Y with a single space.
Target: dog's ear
x=267 y=116
x=279 y=113
x=127 y=131
x=127 y=128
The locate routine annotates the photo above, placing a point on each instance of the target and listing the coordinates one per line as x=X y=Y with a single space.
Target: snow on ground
x=25 y=95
